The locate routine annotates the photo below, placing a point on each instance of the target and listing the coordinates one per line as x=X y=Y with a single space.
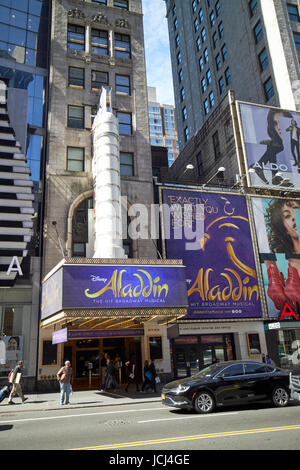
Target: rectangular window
x=293 y=13
x=122 y=46
x=263 y=60
x=79 y=249
x=125 y=123
x=121 y=4
x=201 y=16
x=206 y=56
x=211 y=99
x=201 y=64
x=76 y=117
x=186 y=134
x=99 y=42
x=227 y=76
x=297 y=40
x=76 y=77
x=123 y=84
x=102 y=2
x=218 y=62
x=76 y=37
x=208 y=77
x=206 y=107
x=215 y=39
x=252 y=7
x=269 y=90
x=126 y=164
x=99 y=79
x=221 y=30
x=203 y=85
x=221 y=85
x=258 y=32
x=184 y=114
x=224 y=52
x=75 y=159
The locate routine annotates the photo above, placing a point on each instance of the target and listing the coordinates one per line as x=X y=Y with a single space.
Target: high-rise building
x=162 y=124
x=97 y=44
x=24 y=35
x=251 y=47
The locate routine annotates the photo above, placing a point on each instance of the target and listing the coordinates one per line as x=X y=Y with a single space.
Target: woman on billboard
x=274 y=145
x=283 y=238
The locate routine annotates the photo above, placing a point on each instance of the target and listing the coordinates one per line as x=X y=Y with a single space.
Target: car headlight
x=182 y=388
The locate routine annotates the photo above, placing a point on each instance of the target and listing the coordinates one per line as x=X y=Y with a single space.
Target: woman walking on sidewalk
x=15 y=379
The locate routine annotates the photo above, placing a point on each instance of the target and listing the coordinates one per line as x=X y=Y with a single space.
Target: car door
x=257 y=378
x=230 y=384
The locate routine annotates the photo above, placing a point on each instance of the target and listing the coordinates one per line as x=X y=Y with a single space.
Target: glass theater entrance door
x=193 y=353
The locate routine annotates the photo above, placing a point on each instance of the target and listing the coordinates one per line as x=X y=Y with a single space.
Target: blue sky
x=158 y=61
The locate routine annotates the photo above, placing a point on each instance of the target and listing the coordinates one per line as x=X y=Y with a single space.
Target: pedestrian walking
x=110 y=375
x=118 y=365
x=16 y=379
x=131 y=374
x=154 y=375
x=103 y=370
x=65 y=378
x=147 y=377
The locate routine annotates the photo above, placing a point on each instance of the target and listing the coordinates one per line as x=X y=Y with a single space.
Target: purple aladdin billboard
x=220 y=267
x=114 y=286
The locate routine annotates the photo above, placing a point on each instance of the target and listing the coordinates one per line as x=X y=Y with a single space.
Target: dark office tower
x=250 y=47
x=24 y=36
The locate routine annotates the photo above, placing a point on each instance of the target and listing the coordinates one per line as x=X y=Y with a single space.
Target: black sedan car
x=228 y=383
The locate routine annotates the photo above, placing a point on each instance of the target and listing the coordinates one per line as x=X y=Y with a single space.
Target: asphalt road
x=152 y=426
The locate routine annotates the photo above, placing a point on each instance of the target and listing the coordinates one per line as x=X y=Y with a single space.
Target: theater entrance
x=86 y=356
x=193 y=353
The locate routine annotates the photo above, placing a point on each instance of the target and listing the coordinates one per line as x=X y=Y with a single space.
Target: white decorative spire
x=107 y=181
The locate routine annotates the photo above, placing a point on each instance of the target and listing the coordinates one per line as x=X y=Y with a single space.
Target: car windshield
x=207 y=372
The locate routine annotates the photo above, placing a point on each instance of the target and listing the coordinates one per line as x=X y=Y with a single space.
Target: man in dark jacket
x=15 y=379
x=154 y=374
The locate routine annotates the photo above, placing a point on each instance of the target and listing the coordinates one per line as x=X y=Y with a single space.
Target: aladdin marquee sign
x=123 y=286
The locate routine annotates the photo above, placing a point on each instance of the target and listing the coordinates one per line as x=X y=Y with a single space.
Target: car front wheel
x=204 y=402
x=280 y=396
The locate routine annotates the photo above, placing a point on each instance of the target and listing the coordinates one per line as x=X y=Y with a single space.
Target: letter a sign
x=14 y=266
x=287 y=311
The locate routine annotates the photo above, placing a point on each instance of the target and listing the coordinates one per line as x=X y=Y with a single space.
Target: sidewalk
x=80 y=399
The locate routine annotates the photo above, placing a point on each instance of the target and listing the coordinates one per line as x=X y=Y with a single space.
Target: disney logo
x=97 y=278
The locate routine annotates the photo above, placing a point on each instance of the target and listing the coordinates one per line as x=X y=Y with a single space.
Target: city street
x=151 y=426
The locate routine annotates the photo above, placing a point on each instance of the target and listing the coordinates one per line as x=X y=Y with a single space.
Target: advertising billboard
x=277 y=224
x=220 y=268
x=270 y=138
x=114 y=286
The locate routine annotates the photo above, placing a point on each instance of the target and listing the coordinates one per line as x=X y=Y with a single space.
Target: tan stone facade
x=64 y=186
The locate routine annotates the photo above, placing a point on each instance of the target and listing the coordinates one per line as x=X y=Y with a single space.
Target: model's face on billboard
x=289 y=221
x=288 y=218
x=277 y=124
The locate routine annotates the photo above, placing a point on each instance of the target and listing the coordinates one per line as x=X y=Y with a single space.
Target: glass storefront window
x=15 y=326
x=289 y=348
